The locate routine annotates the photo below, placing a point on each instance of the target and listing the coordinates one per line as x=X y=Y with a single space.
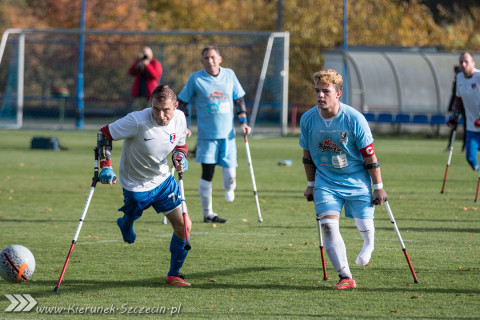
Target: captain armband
x=372 y=165
x=104 y=150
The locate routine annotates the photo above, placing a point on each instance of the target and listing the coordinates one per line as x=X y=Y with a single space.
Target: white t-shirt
x=146 y=145
x=469 y=90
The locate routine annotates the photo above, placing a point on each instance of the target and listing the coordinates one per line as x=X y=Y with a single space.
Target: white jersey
x=146 y=145
x=469 y=90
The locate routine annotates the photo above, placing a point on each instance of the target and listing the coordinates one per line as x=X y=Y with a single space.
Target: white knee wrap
x=229 y=178
x=205 y=192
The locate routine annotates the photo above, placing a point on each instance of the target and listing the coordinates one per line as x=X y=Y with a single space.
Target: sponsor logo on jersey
x=328 y=145
x=217 y=95
x=173 y=137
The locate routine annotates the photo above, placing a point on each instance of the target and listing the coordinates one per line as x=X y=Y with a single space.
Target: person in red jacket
x=147 y=72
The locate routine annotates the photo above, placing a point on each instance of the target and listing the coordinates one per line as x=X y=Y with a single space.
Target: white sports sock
x=367 y=230
x=229 y=183
x=205 y=192
x=335 y=247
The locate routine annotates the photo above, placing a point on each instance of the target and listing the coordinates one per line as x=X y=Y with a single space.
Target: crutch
x=260 y=219
x=452 y=140
x=320 y=242
x=173 y=174
x=95 y=179
x=392 y=220
x=184 y=212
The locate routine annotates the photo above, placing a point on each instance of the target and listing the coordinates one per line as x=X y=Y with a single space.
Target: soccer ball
x=17 y=263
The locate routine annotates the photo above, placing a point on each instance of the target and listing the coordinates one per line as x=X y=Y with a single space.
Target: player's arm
x=457 y=112
x=179 y=158
x=182 y=106
x=310 y=169
x=104 y=151
x=241 y=110
x=372 y=165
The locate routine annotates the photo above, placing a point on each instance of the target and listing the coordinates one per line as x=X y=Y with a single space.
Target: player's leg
x=167 y=199
x=472 y=144
x=207 y=154
x=362 y=211
x=366 y=227
x=228 y=160
x=134 y=204
x=177 y=247
x=329 y=213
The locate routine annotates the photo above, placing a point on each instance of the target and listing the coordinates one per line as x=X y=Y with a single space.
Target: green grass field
x=242 y=269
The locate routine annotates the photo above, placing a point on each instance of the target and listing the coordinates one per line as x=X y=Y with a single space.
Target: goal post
x=34 y=62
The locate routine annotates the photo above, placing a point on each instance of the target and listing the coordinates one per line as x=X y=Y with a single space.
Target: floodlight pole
x=81 y=48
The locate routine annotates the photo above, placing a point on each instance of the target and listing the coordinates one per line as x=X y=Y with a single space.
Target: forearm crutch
x=80 y=222
x=184 y=212
x=452 y=140
x=320 y=243
x=392 y=220
x=260 y=219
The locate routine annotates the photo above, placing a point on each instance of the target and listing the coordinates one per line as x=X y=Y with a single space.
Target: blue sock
x=178 y=255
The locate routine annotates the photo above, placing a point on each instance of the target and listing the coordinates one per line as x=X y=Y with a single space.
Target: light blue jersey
x=334 y=145
x=214 y=98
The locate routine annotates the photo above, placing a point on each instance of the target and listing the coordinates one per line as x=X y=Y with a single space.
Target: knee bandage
x=229 y=178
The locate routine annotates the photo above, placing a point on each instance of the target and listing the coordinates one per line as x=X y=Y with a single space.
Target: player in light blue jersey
x=340 y=164
x=218 y=96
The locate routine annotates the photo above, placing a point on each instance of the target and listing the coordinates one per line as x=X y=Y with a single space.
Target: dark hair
x=162 y=93
x=208 y=48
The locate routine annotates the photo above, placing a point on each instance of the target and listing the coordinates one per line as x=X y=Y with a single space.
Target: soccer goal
x=41 y=83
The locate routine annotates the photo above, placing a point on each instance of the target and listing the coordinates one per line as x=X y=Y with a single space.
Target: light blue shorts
x=222 y=152
x=356 y=206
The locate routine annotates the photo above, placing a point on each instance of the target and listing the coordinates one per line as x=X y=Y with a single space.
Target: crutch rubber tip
x=56 y=289
x=325 y=278
x=310 y=197
x=416 y=281
x=260 y=220
x=187 y=246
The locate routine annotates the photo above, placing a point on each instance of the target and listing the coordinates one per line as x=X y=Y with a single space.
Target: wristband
x=242 y=120
x=378 y=186
x=105 y=163
x=311 y=183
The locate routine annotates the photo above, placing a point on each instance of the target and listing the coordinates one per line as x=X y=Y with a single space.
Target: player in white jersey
x=340 y=165
x=468 y=95
x=218 y=96
x=149 y=136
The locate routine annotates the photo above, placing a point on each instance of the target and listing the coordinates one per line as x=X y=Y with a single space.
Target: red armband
x=183 y=149
x=105 y=163
x=367 y=151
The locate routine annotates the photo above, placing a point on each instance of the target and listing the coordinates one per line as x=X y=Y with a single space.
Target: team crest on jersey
x=474 y=85
x=173 y=137
x=343 y=137
x=328 y=145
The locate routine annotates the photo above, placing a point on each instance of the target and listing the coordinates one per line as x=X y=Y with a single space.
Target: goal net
x=42 y=85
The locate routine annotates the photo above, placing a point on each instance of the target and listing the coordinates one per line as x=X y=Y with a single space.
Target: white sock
x=205 y=192
x=335 y=247
x=367 y=230
x=229 y=183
